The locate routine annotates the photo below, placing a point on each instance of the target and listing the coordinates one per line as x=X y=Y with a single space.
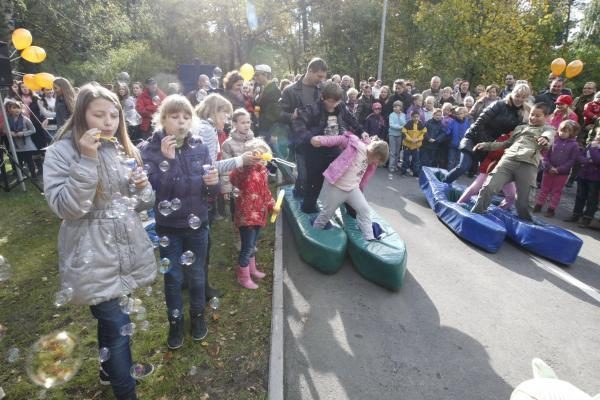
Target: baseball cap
x=150 y=81
x=262 y=68
x=564 y=99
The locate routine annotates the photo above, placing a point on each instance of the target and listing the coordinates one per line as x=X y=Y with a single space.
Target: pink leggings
x=509 y=191
x=552 y=185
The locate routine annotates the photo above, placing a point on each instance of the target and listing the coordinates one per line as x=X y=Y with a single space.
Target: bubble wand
x=277 y=207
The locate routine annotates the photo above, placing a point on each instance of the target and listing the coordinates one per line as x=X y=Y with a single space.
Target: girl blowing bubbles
x=347 y=176
x=187 y=226
x=100 y=257
x=251 y=210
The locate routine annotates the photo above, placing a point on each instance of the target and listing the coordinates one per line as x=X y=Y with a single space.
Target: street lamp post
x=382 y=40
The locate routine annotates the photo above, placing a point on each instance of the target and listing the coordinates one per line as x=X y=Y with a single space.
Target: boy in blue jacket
x=436 y=134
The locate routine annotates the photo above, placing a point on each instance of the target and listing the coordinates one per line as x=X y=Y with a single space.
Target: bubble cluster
x=54 y=359
x=128 y=329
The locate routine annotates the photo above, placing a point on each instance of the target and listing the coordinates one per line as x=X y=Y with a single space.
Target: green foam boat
x=323 y=249
x=382 y=261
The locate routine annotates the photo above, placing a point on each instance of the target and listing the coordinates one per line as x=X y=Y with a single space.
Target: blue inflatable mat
x=484 y=231
x=549 y=241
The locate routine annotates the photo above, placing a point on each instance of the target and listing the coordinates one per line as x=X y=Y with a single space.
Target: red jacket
x=493 y=157
x=255 y=200
x=146 y=107
x=591 y=112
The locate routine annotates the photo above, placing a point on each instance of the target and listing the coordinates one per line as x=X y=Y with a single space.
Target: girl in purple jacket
x=347 y=175
x=588 y=185
x=557 y=163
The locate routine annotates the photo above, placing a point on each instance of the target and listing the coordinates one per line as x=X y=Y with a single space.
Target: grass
x=232 y=363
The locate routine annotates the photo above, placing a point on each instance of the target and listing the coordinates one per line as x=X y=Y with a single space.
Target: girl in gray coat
x=21 y=129
x=104 y=252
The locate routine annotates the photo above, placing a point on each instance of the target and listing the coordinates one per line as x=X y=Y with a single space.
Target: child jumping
x=251 y=210
x=557 y=163
x=347 y=176
x=519 y=163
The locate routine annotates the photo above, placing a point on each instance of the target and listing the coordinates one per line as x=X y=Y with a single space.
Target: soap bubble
x=128 y=329
x=88 y=256
x=109 y=239
x=2 y=331
x=164 y=241
x=128 y=306
x=140 y=313
x=138 y=371
x=217 y=72
x=5 y=270
x=214 y=303
x=194 y=140
x=164 y=265
x=103 y=354
x=175 y=204
x=176 y=313
x=149 y=291
x=187 y=258
x=235 y=192
x=63 y=297
x=146 y=194
x=194 y=221
x=86 y=206
x=193 y=370
x=164 y=207
x=144 y=325
x=13 y=355
x=54 y=359
x=214 y=83
x=164 y=166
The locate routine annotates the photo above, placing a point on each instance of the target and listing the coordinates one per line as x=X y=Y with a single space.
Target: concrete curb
x=276 y=356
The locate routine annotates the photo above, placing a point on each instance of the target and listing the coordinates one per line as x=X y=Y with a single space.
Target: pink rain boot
x=243 y=278
x=253 y=271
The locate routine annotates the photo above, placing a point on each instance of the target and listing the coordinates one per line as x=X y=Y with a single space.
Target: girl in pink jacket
x=347 y=176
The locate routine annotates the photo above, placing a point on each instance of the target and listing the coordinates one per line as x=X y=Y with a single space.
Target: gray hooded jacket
x=102 y=254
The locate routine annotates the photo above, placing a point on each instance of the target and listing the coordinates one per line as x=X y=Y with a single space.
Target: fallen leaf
x=213 y=350
x=215 y=316
x=168 y=356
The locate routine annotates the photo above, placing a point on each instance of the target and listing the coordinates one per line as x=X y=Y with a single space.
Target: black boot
x=199 y=327
x=573 y=218
x=175 y=339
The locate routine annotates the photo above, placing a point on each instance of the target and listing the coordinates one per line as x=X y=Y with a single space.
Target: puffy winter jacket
x=101 y=255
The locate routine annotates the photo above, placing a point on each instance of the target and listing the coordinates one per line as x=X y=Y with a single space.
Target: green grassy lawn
x=232 y=363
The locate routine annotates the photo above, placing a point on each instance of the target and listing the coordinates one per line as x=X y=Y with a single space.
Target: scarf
x=16 y=125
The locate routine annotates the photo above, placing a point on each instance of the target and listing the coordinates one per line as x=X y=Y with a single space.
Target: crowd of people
x=198 y=156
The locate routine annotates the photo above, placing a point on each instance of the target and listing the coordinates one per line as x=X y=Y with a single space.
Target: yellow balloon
x=34 y=54
x=574 y=68
x=45 y=80
x=29 y=81
x=21 y=38
x=558 y=66
x=247 y=72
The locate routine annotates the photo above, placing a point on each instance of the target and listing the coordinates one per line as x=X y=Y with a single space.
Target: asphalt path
x=465 y=324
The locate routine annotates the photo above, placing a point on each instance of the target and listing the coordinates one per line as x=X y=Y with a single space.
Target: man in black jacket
x=329 y=116
x=305 y=91
x=549 y=97
x=401 y=94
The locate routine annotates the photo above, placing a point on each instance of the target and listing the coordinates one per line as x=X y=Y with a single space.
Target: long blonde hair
x=68 y=93
x=523 y=90
x=77 y=124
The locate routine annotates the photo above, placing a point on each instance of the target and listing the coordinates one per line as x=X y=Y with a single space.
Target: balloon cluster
x=559 y=65
x=22 y=39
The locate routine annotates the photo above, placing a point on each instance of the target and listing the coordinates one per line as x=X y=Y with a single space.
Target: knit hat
x=564 y=99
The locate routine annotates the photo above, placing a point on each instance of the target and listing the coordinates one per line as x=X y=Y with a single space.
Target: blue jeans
x=412 y=158
x=249 y=237
x=395 y=148
x=110 y=320
x=428 y=156
x=463 y=166
x=195 y=241
x=453 y=157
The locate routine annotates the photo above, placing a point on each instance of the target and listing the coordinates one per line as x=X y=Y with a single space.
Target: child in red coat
x=251 y=210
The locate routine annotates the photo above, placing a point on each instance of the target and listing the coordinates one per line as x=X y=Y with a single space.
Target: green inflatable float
x=324 y=250
x=382 y=261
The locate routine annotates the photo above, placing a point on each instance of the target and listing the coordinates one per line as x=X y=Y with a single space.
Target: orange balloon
x=21 y=38
x=45 y=80
x=29 y=81
x=574 y=68
x=558 y=66
x=34 y=54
